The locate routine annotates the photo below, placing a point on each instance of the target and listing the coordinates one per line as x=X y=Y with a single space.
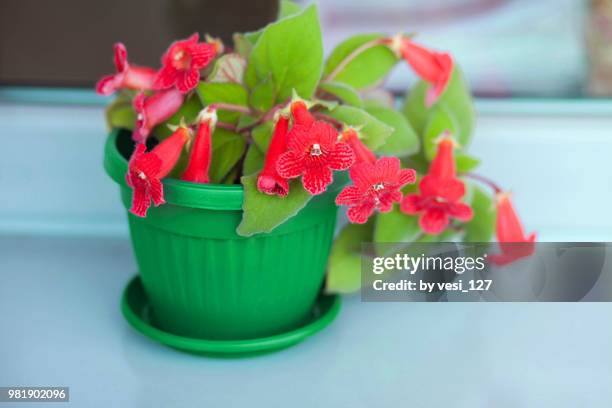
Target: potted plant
x=232 y=163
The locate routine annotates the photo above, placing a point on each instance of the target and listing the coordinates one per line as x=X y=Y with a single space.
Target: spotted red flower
x=513 y=242
x=269 y=181
x=440 y=193
x=434 y=67
x=375 y=186
x=313 y=151
x=146 y=169
x=362 y=153
x=127 y=76
x=153 y=110
x=200 y=155
x=182 y=63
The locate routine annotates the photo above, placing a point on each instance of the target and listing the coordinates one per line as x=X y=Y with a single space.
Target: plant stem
x=349 y=58
x=490 y=183
x=231 y=107
x=269 y=115
x=228 y=126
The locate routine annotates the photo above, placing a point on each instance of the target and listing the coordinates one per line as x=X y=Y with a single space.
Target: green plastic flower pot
x=205 y=281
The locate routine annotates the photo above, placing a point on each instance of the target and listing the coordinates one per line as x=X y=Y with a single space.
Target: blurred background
x=508 y=48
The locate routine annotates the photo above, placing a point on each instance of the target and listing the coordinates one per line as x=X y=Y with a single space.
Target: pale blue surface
x=60 y=322
x=61 y=325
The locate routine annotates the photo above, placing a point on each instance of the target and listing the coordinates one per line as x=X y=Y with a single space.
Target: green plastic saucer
x=137 y=311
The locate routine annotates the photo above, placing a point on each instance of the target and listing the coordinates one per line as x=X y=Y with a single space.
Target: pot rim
x=177 y=192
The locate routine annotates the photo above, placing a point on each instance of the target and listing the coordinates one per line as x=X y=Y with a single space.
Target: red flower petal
x=434 y=221
x=187 y=80
x=360 y=214
x=450 y=190
x=108 y=85
x=271 y=185
x=166 y=77
x=411 y=204
x=509 y=227
x=316 y=179
x=362 y=175
x=301 y=115
x=362 y=153
x=299 y=140
x=120 y=57
x=387 y=200
x=201 y=55
x=350 y=195
x=140 y=202
x=156 y=190
x=289 y=165
x=342 y=157
x=443 y=165
x=200 y=156
x=406 y=176
x=460 y=211
x=139 y=78
x=387 y=169
x=434 y=67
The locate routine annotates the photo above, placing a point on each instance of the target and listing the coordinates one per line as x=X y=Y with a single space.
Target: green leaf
x=456 y=99
x=188 y=111
x=253 y=161
x=288 y=8
x=242 y=45
x=262 y=212
x=228 y=147
x=120 y=113
x=374 y=131
x=481 y=227
x=262 y=134
x=365 y=68
x=404 y=140
x=344 y=266
x=291 y=50
x=223 y=92
x=438 y=121
x=228 y=68
x=245 y=121
x=395 y=226
x=231 y=176
x=466 y=163
x=263 y=95
x=343 y=92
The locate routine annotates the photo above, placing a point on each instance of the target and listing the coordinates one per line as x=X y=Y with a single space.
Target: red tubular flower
x=146 y=170
x=154 y=110
x=375 y=186
x=182 y=63
x=510 y=234
x=440 y=193
x=436 y=68
x=313 y=151
x=362 y=153
x=201 y=152
x=269 y=181
x=300 y=113
x=127 y=76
